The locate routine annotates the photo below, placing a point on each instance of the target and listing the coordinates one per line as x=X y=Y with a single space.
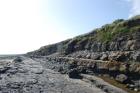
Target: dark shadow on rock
x=18 y=59
x=73 y=73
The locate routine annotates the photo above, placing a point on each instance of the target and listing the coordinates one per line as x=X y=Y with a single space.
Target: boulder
x=136 y=57
x=95 y=56
x=37 y=70
x=104 y=57
x=122 y=78
x=13 y=70
x=131 y=86
x=118 y=56
x=121 y=57
x=14 y=85
x=3 y=69
x=88 y=56
x=18 y=59
x=136 y=89
x=73 y=73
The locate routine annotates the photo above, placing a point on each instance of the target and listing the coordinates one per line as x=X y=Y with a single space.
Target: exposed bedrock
x=123 y=72
x=112 y=50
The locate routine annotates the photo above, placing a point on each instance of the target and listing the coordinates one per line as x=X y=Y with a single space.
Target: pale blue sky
x=26 y=25
x=80 y=16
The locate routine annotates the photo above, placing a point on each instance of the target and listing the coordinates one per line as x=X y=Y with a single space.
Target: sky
x=26 y=25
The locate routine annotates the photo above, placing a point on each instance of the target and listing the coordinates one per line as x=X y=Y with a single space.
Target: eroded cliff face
x=112 y=50
x=121 y=35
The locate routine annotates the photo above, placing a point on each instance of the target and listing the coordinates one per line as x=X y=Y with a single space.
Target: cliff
x=112 y=52
x=117 y=37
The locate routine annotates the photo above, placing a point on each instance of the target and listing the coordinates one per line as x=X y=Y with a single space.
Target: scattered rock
x=82 y=69
x=72 y=65
x=3 y=69
x=31 y=81
x=104 y=57
x=73 y=73
x=136 y=56
x=35 y=77
x=12 y=71
x=121 y=57
x=136 y=90
x=14 y=85
x=37 y=70
x=95 y=56
x=131 y=86
x=22 y=70
x=121 y=78
x=88 y=56
x=100 y=86
x=18 y=59
x=60 y=69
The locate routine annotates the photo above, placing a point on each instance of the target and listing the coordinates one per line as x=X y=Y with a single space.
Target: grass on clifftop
x=118 y=30
x=109 y=32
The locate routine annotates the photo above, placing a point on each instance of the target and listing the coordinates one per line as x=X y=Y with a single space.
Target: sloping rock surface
x=30 y=76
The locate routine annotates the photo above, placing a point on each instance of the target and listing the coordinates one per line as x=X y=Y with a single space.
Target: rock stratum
x=105 y=60
x=119 y=41
x=112 y=50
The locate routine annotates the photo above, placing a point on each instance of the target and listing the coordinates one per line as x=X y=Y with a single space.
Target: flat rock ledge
x=30 y=76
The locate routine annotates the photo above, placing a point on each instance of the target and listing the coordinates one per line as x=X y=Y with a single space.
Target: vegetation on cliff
x=112 y=52
x=121 y=35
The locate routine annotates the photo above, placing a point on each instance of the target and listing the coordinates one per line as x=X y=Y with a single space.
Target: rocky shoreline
x=22 y=74
x=112 y=50
x=125 y=73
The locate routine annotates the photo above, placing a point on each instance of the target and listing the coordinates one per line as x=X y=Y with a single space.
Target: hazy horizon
x=26 y=25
